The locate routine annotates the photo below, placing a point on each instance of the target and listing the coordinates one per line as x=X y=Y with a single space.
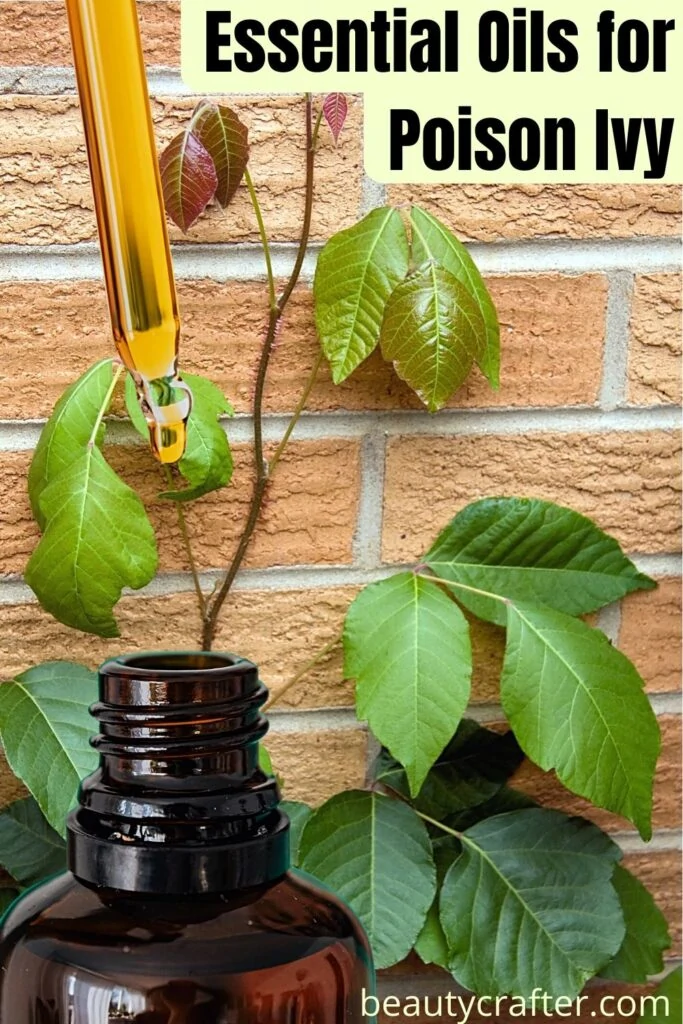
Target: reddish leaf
x=226 y=138
x=189 y=179
x=335 y=110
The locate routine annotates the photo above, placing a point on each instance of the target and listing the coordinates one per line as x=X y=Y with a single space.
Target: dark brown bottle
x=179 y=906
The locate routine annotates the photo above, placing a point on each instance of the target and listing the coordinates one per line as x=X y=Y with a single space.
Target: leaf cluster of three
x=424 y=302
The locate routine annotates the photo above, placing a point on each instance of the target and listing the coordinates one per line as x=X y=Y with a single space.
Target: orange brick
x=46 y=195
x=552 y=345
x=628 y=482
x=650 y=635
x=655 y=353
x=309 y=516
x=490 y=213
x=280 y=630
x=35 y=32
x=544 y=787
x=316 y=765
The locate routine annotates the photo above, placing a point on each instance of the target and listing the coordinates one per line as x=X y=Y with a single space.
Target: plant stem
x=185 y=534
x=462 y=586
x=104 y=408
x=291 y=683
x=438 y=824
x=261 y=476
x=264 y=238
x=297 y=413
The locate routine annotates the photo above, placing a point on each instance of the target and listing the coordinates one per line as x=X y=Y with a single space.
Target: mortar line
x=226 y=261
x=615 y=356
x=373 y=195
x=367 y=544
x=22 y=435
x=664 y=840
x=168 y=584
x=609 y=621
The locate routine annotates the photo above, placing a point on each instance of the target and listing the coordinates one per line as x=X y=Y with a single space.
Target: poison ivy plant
x=298 y=814
x=46 y=727
x=30 y=849
x=647 y=936
x=442 y=854
x=431 y=944
x=408 y=646
x=226 y=140
x=356 y=273
x=69 y=431
x=433 y=322
x=666 y=1005
x=97 y=540
x=534 y=552
x=7 y=898
x=189 y=179
x=206 y=161
x=336 y=109
x=529 y=903
x=432 y=240
x=472 y=769
x=432 y=332
x=376 y=854
x=207 y=464
x=97 y=537
x=577 y=705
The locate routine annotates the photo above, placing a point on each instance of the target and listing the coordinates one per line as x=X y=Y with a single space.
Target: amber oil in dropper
x=130 y=212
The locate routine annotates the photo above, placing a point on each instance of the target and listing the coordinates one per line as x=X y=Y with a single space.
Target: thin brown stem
x=185 y=534
x=261 y=468
x=291 y=683
x=310 y=384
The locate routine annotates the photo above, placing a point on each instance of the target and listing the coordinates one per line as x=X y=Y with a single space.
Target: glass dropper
x=131 y=220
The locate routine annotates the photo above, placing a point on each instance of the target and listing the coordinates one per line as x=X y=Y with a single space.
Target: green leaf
x=407 y=645
x=30 y=849
x=432 y=240
x=474 y=766
x=535 y=552
x=356 y=273
x=432 y=332
x=505 y=800
x=45 y=727
x=207 y=464
x=188 y=178
x=665 y=1006
x=431 y=945
x=7 y=898
x=647 y=934
x=577 y=705
x=97 y=541
x=265 y=762
x=528 y=905
x=226 y=139
x=298 y=815
x=68 y=431
x=375 y=854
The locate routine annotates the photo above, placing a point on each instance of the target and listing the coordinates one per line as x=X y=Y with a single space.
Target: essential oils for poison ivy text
x=179 y=906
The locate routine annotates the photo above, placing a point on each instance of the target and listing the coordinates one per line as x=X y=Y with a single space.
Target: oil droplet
x=130 y=212
x=166 y=404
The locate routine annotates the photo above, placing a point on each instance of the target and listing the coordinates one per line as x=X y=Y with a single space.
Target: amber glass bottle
x=179 y=906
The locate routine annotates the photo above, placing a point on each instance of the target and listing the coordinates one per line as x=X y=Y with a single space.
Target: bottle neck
x=178 y=804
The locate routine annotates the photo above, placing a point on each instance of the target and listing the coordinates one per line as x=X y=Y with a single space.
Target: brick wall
x=586 y=283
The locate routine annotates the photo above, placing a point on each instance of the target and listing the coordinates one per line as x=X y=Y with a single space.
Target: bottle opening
x=179 y=802
x=179 y=661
